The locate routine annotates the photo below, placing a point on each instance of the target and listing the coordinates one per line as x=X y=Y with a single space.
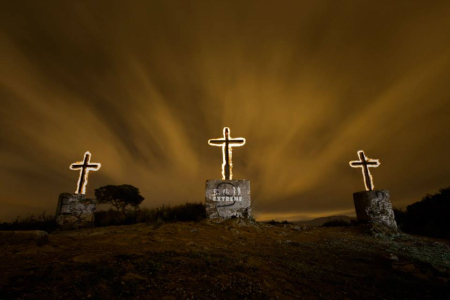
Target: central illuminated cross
x=227 y=143
x=365 y=163
x=84 y=166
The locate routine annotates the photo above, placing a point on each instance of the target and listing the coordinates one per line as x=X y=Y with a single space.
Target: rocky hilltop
x=232 y=259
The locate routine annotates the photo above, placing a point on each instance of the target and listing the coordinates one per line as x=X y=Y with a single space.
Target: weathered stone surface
x=24 y=237
x=75 y=211
x=375 y=207
x=227 y=198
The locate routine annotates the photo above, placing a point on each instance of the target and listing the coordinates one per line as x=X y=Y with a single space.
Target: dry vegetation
x=226 y=260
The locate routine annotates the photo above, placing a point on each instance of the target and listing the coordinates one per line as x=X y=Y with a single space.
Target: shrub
x=336 y=223
x=273 y=222
x=430 y=216
x=111 y=217
x=163 y=214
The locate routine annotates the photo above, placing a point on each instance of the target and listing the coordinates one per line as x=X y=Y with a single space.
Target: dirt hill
x=227 y=260
x=323 y=220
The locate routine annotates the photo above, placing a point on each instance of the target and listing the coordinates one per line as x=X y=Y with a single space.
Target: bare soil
x=225 y=260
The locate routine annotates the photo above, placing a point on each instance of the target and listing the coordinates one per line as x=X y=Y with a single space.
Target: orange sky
x=143 y=85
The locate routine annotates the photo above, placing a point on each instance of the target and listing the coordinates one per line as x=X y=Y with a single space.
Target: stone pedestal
x=75 y=211
x=375 y=207
x=227 y=198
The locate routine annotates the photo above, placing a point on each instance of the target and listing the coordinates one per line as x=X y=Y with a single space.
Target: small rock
x=393 y=257
x=404 y=267
x=380 y=231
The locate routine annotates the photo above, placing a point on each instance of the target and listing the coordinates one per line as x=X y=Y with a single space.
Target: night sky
x=143 y=85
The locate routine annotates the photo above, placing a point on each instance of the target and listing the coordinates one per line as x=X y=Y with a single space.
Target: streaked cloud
x=144 y=85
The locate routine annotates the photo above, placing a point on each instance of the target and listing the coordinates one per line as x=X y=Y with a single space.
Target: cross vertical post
x=365 y=170
x=227 y=154
x=84 y=166
x=365 y=163
x=227 y=143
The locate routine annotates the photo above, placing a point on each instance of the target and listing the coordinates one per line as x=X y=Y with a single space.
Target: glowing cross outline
x=84 y=166
x=227 y=143
x=365 y=163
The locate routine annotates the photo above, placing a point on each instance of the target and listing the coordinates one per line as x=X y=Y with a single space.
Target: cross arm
x=96 y=166
x=87 y=166
x=76 y=166
x=368 y=163
x=216 y=142
x=237 y=141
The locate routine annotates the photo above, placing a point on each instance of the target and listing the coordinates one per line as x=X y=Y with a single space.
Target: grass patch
x=163 y=214
x=32 y=222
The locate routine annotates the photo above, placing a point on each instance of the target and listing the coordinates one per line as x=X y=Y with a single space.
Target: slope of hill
x=323 y=220
x=225 y=260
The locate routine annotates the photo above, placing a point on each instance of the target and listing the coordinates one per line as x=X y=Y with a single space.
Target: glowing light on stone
x=84 y=166
x=365 y=163
x=227 y=143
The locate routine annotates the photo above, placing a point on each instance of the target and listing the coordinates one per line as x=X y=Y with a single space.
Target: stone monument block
x=227 y=198
x=375 y=207
x=75 y=211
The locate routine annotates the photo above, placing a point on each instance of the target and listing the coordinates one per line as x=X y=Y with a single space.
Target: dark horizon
x=144 y=86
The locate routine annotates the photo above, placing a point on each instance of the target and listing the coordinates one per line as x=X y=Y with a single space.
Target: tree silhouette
x=119 y=196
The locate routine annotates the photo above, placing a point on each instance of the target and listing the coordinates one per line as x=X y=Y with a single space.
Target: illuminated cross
x=84 y=166
x=365 y=163
x=227 y=143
